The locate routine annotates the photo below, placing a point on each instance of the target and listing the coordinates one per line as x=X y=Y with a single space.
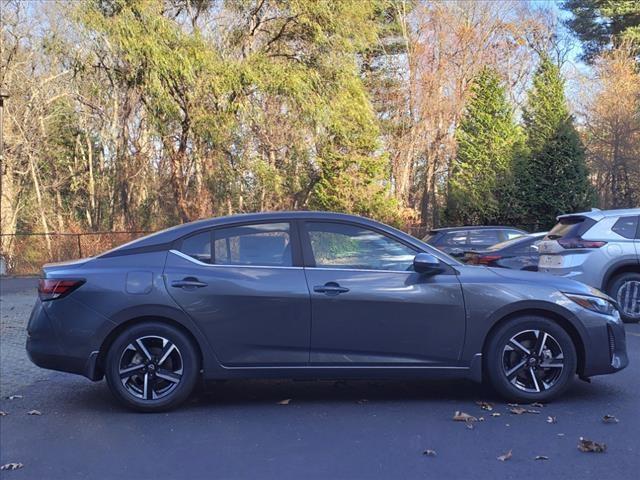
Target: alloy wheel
x=629 y=299
x=532 y=361
x=150 y=367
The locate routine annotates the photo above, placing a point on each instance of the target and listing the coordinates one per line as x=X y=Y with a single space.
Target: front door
x=245 y=293
x=370 y=308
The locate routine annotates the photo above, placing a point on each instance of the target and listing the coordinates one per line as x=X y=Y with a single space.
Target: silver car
x=601 y=249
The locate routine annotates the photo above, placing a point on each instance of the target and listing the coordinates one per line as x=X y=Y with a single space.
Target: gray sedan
x=312 y=295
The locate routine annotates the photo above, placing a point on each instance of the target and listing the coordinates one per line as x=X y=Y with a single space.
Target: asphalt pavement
x=350 y=430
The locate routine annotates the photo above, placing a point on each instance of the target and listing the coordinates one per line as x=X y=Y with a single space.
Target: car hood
x=560 y=283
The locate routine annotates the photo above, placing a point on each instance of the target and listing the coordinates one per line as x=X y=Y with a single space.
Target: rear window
x=570 y=227
x=626 y=227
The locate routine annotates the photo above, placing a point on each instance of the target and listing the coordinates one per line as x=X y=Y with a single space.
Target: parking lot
x=354 y=429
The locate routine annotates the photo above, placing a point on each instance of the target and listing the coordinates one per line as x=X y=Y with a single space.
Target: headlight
x=595 y=304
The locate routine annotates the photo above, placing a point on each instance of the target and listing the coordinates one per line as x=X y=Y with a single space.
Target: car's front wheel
x=152 y=367
x=625 y=289
x=530 y=359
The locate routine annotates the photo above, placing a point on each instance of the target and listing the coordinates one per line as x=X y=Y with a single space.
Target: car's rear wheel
x=530 y=359
x=152 y=367
x=625 y=289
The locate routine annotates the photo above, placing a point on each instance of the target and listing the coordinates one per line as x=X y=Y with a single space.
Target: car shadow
x=258 y=393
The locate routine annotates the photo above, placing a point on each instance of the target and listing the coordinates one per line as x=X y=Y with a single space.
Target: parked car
x=601 y=249
x=519 y=253
x=457 y=240
x=312 y=295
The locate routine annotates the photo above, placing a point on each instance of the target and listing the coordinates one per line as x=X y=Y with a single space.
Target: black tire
x=501 y=359
x=180 y=367
x=625 y=288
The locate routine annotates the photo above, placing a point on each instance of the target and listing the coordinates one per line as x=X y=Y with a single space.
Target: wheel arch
x=566 y=324
x=618 y=269
x=157 y=313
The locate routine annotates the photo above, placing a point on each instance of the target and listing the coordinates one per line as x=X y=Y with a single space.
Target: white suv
x=601 y=249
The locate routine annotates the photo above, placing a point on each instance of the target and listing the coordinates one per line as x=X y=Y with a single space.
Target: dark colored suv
x=457 y=240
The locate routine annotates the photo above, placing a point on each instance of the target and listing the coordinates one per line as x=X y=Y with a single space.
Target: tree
x=600 y=24
x=487 y=138
x=551 y=175
x=612 y=132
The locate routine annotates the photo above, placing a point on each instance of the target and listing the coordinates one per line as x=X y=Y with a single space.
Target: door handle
x=331 y=288
x=188 y=282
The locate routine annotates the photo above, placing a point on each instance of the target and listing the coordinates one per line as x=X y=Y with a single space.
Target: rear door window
x=626 y=227
x=453 y=239
x=483 y=237
x=267 y=244
x=198 y=246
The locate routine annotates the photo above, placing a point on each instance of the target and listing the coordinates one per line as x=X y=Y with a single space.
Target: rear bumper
x=46 y=350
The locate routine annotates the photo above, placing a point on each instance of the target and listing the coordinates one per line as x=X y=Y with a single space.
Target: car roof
x=597 y=214
x=165 y=238
x=474 y=227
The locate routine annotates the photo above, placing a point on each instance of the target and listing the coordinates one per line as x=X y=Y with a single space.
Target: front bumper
x=606 y=349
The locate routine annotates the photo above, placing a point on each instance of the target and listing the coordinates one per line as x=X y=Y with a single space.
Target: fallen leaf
x=14 y=397
x=561 y=434
x=520 y=411
x=506 y=456
x=485 y=406
x=495 y=414
x=610 y=419
x=541 y=457
x=362 y=401
x=284 y=402
x=463 y=417
x=11 y=466
x=34 y=412
x=469 y=425
x=537 y=405
x=3 y=413
x=481 y=419
x=551 y=419
x=585 y=445
x=430 y=453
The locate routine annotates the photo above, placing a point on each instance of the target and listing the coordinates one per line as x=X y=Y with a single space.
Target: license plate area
x=550 y=261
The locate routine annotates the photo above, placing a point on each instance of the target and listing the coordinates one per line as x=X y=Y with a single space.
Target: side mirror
x=426 y=263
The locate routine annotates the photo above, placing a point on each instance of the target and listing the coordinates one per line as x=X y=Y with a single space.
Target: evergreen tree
x=487 y=138
x=551 y=176
x=602 y=23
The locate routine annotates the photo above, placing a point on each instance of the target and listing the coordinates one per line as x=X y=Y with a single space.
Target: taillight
x=487 y=259
x=577 y=242
x=53 y=288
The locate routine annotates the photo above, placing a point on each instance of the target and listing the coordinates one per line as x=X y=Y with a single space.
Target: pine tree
x=487 y=138
x=552 y=176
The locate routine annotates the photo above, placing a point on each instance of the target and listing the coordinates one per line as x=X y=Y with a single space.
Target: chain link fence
x=25 y=253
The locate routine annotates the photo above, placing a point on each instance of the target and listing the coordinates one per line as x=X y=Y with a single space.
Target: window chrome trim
x=203 y=264
x=361 y=270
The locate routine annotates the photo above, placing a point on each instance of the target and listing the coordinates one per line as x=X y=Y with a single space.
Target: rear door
x=248 y=293
x=368 y=305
